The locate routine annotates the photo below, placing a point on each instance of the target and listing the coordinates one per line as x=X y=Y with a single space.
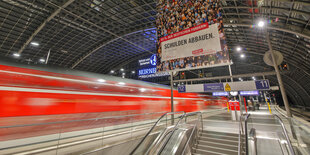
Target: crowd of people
x=176 y=15
x=198 y=61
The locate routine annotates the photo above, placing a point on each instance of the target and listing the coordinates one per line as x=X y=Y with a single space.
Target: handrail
x=187 y=142
x=147 y=134
x=240 y=134
x=246 y=133
x=175 y=128
x=71 y=121
x=286 y=135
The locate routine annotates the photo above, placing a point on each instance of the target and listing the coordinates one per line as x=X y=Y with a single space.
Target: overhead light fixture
x=16 y=55
x=101 y=80
x=123 y=73
x=261 y=24
x=34 y=43
x=238 y=48
x=253 y=78
x=112 y=71
x=122 y=69
x=242 y=55
x=133 y=72
x=42 y=60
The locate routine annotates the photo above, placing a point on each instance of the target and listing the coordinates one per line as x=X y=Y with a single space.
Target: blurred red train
x=32 y=90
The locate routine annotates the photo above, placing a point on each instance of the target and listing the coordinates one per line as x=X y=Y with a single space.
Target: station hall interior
x=146 y=77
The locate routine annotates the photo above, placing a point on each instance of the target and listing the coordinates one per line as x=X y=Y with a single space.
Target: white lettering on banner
x=202 y=42
x=147 y=71
x=144 y=61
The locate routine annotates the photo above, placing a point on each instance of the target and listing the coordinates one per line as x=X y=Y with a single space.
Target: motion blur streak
x=29 y=91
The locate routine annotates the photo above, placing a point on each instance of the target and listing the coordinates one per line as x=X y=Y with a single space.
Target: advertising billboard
x=190 y=35
x=148 y=68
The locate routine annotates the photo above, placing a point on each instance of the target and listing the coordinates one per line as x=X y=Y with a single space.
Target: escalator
x=174 y=138
x=258 y=134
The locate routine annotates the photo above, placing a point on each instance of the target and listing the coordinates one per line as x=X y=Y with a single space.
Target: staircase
x=215 y=143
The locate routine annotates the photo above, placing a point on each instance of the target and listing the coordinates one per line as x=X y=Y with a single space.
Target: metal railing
x=80 y=120
x=286 y=135
x=153 y=127
x=95 y=122
x=173 y=130
x=177 y=126
x=192 y=133
x=243 y=132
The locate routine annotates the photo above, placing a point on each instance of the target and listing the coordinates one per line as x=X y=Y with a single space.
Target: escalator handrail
x=187 y=142
x=285 y=134
x=148 y=133
x=175 y=128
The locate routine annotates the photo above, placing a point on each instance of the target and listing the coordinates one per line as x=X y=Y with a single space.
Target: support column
x=282 y=89
x=48 y=56
x=172 y=106
x=230 y=73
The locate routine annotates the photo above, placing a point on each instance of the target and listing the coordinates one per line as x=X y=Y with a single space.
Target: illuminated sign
x=249 y=93
x=220 y=93
x=147 y=71
x=153 y=60
x=148 y=61
x=148 y=68
x=158 y=74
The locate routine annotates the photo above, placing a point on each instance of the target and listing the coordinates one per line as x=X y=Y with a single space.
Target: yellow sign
x=227 y=87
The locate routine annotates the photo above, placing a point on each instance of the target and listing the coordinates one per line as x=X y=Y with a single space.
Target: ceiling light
x=121 y=83
x=122 y=69
x=42 y=60
x=123 y=73
x=253 y=78
x=35 y=43
x=133 y=72
x=242 y=55
x=112 y=71
x=101 y=80
x=238 y=49
x=261 y=24
x=16 y=55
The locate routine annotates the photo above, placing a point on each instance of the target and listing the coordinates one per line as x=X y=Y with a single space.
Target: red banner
x=185 y=32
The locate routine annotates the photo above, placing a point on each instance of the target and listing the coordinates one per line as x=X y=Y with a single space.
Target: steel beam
x=227 y=77
x=43 y=24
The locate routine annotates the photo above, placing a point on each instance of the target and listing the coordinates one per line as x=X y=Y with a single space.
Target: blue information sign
x=182 y=89
x=262 y=84
x=223 y=93
x=213 y=87
x=249 y=93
